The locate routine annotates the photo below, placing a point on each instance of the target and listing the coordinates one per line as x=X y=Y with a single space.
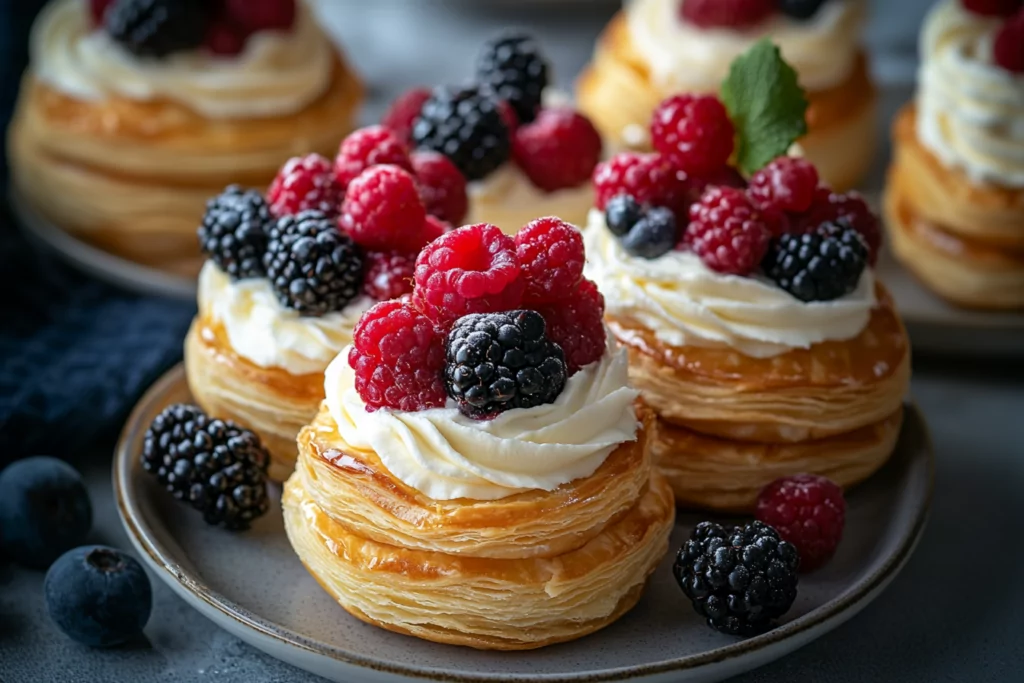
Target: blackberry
x=466 y=126
x=216 y=466
x=653 y=235
x=234 y=232
x=621 y=213
x=157 y=28
x=500 y=361
x=741 y=580
x=513 y=66
x=800 y=9
x=818 y=266
x=313 y=267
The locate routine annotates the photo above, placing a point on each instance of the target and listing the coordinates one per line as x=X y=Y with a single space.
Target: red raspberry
x=727 y=231
x=577 y=325
x=442 y=186
x=434 y=228
x=648 y=178
x=382 y=210
x=403 y=112
x=558 y=149
x=261 y=15
x=98 y=8
x=224 y=38
x=851 y=207
x=509 y=116
x=694 y=132
x=398 y=358
x=729 y=13
x=469 y=270
x=368 y=147
x=551 y=257
x=786 y=184
x=992 y=8
x=304 y=183
x=808 y=511
x=1009 y=45
x=388 y=274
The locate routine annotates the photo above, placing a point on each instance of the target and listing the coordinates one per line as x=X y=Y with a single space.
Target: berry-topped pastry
x=747 y=296
x=658 y=48
x=955 y=197
x=134 y=112
x=523 y=151
x=479 y=473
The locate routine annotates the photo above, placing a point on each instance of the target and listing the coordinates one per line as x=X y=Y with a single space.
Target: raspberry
x=224 y=38
x=694 y=132
x=97 y=9
x=261 y=15
x=1009 y=45
x=786 y=184
x=808 y=511
x=470 y=270
x=368 y=147
x=433 y=228
x=727 y=13
x=648 y=178
x=559 y=149
x=383 y=211
x=550 y=253
x=849 y=208
x=508 y=116
x=388 y=274
x=442 y=186
x=992 y=8
x=398 y=359
x=727 y=231
x=403 y=112
x=577 y=325
x=305 y=184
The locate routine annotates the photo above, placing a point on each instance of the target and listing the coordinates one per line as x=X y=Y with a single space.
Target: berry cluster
x=493 y=323
x=743 y=14
x=500 y=117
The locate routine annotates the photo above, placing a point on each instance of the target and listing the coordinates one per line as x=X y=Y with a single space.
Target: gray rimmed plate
x=252 y=585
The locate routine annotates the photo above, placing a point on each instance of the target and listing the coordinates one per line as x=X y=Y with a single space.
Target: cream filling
x=508 y=199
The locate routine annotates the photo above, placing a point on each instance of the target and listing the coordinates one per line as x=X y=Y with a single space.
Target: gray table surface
x=956 y=613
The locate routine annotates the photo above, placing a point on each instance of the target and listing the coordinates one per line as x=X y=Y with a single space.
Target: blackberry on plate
x=818 y=266
x=500 y=361
x=514 y=67
x=741 y=579
x=234 y=232
x=800 y=9
x=216 y=466
x=621 y=213
x=466 y=126
x=653 y=235
x=313 y=267
x=157 y=28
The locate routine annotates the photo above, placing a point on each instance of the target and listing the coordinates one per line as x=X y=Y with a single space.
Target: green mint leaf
x=766 y=104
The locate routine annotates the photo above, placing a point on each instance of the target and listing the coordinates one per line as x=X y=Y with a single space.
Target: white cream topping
x=508 y=199
x=686 y=58
x=970 y=111
x=686 y=303
x=266 y=333
x=278 y=73
x=446 y=455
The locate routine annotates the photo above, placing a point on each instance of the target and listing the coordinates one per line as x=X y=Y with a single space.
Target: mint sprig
x=766 y=104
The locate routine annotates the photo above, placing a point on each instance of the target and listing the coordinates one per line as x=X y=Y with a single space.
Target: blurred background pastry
x=955 y=195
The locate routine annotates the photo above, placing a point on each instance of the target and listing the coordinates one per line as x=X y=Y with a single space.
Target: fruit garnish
x=693 y=132
x=650 y=179
x=156 y=28
x=736 y=14
x=514 y=67
x=305 y=184
x=466 y=125
x=576 y=323
x=727 y=231
x=551 y=257
x=786 y=184
x=818 y=266
x=558 y=149
x=1008 y=49
x=442 y=186
x=848 y=207
x=992 y=8
x=234 y=232
x=403 y=112
x=808 y=511
x=262 y=15
x=366 y=148
x=389 y=274
x=382 y=210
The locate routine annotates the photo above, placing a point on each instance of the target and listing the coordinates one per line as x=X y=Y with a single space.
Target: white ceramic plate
x=253 y=586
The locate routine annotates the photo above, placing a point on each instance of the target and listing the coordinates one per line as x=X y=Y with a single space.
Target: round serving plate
x=252 y=585
x=94 y=261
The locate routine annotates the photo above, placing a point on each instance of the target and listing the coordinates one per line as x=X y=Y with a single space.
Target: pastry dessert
x=523 y=150
x=755 y=326
x=954 y=203
x=480 y=473
x=134 y=112
x=656 y=48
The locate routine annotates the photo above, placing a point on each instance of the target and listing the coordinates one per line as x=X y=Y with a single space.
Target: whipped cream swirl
x=685 y=303
x=970 y=111
x=277 y=74
x=446 y=455
x=687 y=58
x=266 y=333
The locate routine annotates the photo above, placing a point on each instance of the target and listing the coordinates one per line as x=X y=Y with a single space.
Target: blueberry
x=98 y=596
x=654 y=235
x=800 y=9
x=621 y=213
x=44 y=510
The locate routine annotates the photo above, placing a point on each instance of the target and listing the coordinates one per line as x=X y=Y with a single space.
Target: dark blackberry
x=216 y=466
x=466 y=126
x=741 y=580
x=621 y=213
x=313 y=267
x=513 y=66
x=500 y=361
x=653 y=235
x=157 y=28
x=818 y=266
x=800 y=9
x=234 y=232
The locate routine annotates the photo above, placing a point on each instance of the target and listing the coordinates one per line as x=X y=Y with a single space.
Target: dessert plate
x=252 y=585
